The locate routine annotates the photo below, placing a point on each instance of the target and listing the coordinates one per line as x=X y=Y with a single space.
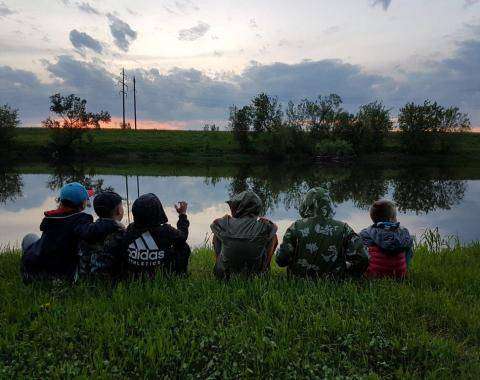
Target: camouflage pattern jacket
x=108 y=231
x=318 y=245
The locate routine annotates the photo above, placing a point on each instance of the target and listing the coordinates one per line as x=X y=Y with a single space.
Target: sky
x=192 y=59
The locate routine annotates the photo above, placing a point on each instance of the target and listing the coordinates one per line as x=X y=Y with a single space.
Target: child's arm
x=286 y=253
x=356 y=255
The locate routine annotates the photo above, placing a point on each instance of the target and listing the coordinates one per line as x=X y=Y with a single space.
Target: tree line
x=323 y=127
x=319 y=127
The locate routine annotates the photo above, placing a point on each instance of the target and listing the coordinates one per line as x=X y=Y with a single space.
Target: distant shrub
x=8 y=122
x=334 y=148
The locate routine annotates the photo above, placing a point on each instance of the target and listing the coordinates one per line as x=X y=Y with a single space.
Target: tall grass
x=270 y=327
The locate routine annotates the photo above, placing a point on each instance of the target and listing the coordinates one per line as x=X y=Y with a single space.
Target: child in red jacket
x=389 y=245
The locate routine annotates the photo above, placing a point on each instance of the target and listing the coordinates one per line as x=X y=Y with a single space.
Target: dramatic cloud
x=184 y=95
x=81 y=41
x=194 y=33
x=122 y=33
x=384 y=3
x=4 y=10
x=87 y=8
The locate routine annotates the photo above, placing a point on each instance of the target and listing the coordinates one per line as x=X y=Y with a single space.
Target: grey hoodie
x=243 y=236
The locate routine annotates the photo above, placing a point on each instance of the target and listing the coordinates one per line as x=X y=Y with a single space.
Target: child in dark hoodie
x=56 y=253
x=389 y=245
x=149 y=244
x=109 y=208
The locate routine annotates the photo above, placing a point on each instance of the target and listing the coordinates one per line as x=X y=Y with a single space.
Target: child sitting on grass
x=389 y=245
x=56 y=253
x=243 y=242
x=319 y=246
x=149 y=244
x=109 y=209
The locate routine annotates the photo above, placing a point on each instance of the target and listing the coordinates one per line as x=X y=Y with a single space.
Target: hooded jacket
x=388 y=245
x=56 y=253
x=317 y=245
x=148 y=244
x=243 y=236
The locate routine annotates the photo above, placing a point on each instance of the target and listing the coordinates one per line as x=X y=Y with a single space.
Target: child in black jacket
x=56 y=253
x=109 y=209
x=149 y=244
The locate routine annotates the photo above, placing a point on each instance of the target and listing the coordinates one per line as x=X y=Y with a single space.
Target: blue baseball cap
x=74 y=192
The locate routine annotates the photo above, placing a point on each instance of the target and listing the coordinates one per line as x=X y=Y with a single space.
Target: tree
x=8 y=122
x=425 y=126
x=71 y=123
x=211 y=127
x=239 y=122
x=266 y=113
x=374 y=120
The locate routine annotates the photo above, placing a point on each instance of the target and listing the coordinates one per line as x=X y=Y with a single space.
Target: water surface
x=446 y=198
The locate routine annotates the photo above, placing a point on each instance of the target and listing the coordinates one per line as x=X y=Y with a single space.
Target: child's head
x=148 y=211
x=108 y=204
x=74 y=195
x=383 y=211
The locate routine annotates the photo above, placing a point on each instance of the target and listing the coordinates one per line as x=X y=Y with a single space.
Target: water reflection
x=425 y=198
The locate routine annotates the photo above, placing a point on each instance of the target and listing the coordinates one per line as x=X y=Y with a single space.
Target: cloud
x=87 y=8
x=184 y=95
x=123 y=35
x=194 y=33
x=82 y=41
x=384 y=3
x=469 y=3
x=181 y=7
x=4 y=10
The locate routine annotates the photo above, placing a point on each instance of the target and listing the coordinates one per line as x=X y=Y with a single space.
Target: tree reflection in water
x=419 y=190
x=76 y=173
x=11 y=184
x=414 y=190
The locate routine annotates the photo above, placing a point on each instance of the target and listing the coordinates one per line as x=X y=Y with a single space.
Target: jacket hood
x=317 y=203
x=389 y=237
x=148 y=211
x=244 y=204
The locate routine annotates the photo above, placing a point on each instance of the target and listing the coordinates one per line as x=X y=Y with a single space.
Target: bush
x=424 y=127
x=72 y=123
x=8 y=122
x=334 y=148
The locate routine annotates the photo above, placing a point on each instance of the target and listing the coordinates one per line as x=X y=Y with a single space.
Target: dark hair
x=383 y=211
x=69 y=204
x=105 y=203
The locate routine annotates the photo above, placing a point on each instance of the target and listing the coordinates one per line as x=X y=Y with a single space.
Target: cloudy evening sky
x=194 y=58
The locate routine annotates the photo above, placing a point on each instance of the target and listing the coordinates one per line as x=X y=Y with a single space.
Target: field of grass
x=125 y=145
x=272 y=327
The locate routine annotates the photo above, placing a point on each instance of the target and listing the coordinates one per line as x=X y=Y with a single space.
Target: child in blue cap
x=56 y=253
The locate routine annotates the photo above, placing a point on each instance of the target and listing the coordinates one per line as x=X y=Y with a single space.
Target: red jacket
x=384 y=265
x=387 y=244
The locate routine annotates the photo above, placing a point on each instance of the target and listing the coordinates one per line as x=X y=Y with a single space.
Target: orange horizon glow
x=146 y=124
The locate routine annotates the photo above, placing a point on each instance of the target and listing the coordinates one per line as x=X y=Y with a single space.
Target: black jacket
x=103 y=232
x=56 y=253
x=148 y=244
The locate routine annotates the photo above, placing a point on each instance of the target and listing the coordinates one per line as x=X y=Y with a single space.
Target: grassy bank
x=428 y=326
x=120 y=145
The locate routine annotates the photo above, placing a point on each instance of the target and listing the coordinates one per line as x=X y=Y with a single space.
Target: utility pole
x=124 y=94
x=135 y=103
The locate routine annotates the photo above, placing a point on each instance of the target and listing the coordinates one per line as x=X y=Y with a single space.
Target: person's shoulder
x=83 y=217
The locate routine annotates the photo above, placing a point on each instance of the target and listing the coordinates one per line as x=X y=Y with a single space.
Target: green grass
x=124 y=146
x=272 y=327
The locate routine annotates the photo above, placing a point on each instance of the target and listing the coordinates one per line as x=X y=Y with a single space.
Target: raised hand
x=181 y=207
